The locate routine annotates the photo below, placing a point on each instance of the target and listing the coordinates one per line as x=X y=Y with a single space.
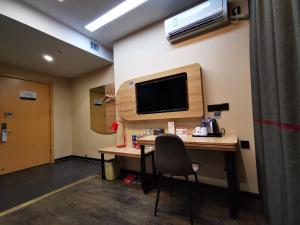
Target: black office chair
x=171 y=158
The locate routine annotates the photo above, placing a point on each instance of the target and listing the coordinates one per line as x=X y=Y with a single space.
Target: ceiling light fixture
x=113 y=14
x=61 y=0
x=48 y=58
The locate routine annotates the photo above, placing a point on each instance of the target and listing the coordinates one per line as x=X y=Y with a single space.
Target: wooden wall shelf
x=126 y=98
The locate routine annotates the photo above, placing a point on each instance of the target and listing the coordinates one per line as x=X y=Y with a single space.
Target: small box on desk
x=158 y=131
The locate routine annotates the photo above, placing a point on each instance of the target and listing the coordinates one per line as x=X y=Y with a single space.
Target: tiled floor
x=114 y=203
x=22 y=186
x=111 y=202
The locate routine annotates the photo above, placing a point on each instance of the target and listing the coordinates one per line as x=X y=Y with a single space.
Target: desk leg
x=231 y=183
x=103 y=166
x=143 y=169
x=154 y=173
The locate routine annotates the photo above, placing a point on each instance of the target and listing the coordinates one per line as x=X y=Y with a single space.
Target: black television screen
x=167 y=94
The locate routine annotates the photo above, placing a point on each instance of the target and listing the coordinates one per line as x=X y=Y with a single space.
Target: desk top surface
x=126 y=151
x=228 y=142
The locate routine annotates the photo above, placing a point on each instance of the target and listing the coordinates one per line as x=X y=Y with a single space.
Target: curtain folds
x=275 y=81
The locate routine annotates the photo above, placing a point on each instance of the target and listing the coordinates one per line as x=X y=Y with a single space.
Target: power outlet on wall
x=217 y=114
x=244 y=144
x=236 y=10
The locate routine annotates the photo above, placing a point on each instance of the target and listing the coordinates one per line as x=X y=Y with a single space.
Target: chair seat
x=196 y=167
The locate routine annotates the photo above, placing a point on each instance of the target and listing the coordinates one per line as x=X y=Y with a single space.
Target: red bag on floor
x=128 y=179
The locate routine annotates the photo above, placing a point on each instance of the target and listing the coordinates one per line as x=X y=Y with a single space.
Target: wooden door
x=28 y=121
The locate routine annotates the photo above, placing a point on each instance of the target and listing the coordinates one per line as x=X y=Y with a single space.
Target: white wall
x=224 y=58
x=62 y=118
x=85 y=140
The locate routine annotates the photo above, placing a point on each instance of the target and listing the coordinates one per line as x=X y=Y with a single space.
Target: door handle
x=4 y=132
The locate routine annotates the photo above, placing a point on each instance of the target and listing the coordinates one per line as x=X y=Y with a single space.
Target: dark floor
x=113 y=203
x=25 y=185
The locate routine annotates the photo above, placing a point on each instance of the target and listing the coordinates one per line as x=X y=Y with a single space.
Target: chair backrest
x=171 y=156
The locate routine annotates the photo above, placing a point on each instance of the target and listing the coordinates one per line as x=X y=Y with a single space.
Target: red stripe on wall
x=279 y=124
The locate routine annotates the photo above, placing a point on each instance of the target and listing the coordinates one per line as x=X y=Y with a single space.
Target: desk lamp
x=115 y=128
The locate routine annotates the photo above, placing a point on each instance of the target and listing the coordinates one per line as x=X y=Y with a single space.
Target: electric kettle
x=213 y=128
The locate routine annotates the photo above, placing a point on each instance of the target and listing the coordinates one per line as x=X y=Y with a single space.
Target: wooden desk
x=227 y=144
x=133 y=153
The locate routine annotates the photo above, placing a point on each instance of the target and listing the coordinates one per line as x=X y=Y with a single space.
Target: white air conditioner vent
x=199 y=19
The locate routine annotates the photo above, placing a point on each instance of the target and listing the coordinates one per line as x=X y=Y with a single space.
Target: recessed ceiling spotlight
x=114 y=13
x=61 y=0
x=48 y=58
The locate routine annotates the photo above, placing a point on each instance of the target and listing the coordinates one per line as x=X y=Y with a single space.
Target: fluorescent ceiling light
x=48 y=58
x=113 y=14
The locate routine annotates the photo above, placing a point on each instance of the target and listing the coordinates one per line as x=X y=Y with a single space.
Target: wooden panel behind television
x=126 y=98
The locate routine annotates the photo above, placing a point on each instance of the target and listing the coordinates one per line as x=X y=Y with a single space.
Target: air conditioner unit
x=199 y=19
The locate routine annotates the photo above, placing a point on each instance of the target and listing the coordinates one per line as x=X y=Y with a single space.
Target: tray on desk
x=210 y=135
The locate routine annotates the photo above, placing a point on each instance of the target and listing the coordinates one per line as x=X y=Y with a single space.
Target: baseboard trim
x=136 y=173
x=63 y=158
x=208 y=186
x=75 y=157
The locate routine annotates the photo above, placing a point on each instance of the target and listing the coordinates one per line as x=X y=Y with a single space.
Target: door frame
x=51 y=91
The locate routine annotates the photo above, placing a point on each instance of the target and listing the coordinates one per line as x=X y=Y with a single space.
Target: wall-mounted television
x=166 y=94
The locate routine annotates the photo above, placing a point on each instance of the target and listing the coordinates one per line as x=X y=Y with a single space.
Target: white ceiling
x=23 y=46
x=77 y=13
